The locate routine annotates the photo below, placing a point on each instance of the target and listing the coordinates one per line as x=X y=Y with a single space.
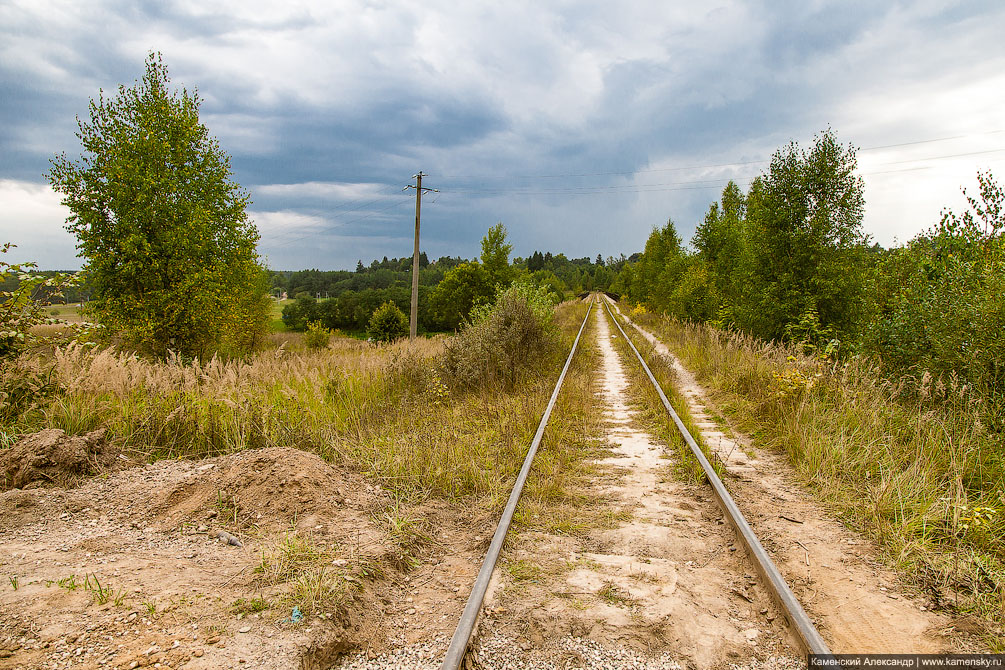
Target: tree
x=807 y=243
x=24 y=305
x=168 y=247
x=388 y=323
x=495 y=254
x=720 y=241
x=462 y=288
x=941 y=305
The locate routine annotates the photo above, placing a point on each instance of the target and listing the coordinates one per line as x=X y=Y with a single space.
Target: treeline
x=449 y=288
x=76 y=292
x=789 y=260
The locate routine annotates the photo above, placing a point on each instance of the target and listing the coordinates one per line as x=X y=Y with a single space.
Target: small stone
x=197 y=653
x=245 y=629
x=213 y=640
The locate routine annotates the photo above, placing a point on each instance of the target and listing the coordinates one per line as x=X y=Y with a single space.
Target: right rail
x=805 y=630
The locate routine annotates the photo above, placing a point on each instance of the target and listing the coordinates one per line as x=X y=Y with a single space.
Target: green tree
x=495 y=255
x=388 y=323
x=659 y=268
x=168 y=247
x=462 y=288
x=940 y=299
x=808 y=247
x=721 y=243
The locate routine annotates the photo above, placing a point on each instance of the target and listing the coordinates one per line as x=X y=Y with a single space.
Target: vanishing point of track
x=805 y=631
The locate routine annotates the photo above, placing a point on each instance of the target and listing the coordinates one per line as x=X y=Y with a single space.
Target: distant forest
x=345 y=299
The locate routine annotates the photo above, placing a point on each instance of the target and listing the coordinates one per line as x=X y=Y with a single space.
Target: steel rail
x=794 y=612
x=466 y=626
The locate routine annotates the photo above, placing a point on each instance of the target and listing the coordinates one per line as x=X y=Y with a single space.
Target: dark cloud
x=580 y=129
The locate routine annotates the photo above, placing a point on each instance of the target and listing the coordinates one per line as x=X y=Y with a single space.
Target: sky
x=580 y=126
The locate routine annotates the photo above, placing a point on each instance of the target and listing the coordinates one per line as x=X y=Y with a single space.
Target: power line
x=718 y=165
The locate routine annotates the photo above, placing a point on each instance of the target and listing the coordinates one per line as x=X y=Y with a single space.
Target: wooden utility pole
x=413 y=317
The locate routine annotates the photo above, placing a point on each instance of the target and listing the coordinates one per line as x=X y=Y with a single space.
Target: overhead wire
x=718 y=165
x=609 y=189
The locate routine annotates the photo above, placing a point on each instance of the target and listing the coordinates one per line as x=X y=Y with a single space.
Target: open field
x=300 y=504
x=70 y=312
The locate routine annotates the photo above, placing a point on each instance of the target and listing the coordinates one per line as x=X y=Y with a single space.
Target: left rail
x=466 y=626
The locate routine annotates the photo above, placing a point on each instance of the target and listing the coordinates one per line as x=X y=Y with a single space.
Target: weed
x=911 y=461
x=613 y=594
x=256 y=604
x=522 y=570
x=407 y=533
x=315 y=584
x=13 y=581
x=151 y=608
x=68 y=583
x=101 y=594
x=227 y=507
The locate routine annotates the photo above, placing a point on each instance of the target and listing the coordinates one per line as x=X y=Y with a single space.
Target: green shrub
x=297 y=314
x=504 y=342
x=387 y=323
x=317 y=336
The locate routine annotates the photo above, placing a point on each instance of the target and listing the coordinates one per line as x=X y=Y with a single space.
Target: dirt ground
x=125 y=571
x=857 y=604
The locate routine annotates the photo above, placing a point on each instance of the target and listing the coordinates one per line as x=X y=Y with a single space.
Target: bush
x=317 y=336
x=387 y=323
x=505 y=342
x=297 y=314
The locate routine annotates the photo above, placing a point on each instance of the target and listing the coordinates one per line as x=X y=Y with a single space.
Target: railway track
x=805 y=631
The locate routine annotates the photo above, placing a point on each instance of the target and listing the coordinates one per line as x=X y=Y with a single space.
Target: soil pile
x=269 y=489
x=53 y=458
x=128 y=570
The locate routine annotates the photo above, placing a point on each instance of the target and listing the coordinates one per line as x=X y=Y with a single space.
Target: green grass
x=70 y=312
x=276 y=324
x=377 y=410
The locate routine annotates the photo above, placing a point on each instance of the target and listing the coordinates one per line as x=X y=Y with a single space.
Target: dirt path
x=858 y=605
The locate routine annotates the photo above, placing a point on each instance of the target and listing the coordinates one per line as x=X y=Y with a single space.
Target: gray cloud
x=579 y=125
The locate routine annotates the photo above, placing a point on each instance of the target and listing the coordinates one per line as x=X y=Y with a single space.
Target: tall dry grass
x=382 y=410
x=909 y=461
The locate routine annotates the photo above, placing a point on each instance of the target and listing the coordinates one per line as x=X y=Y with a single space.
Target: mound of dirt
x=53 y=458
x=266 y=488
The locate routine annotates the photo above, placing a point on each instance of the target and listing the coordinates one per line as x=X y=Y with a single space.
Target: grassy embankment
x=381 y=410
x=909 y=462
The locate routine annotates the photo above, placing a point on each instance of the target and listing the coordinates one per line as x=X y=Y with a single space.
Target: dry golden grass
x=381 y=410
